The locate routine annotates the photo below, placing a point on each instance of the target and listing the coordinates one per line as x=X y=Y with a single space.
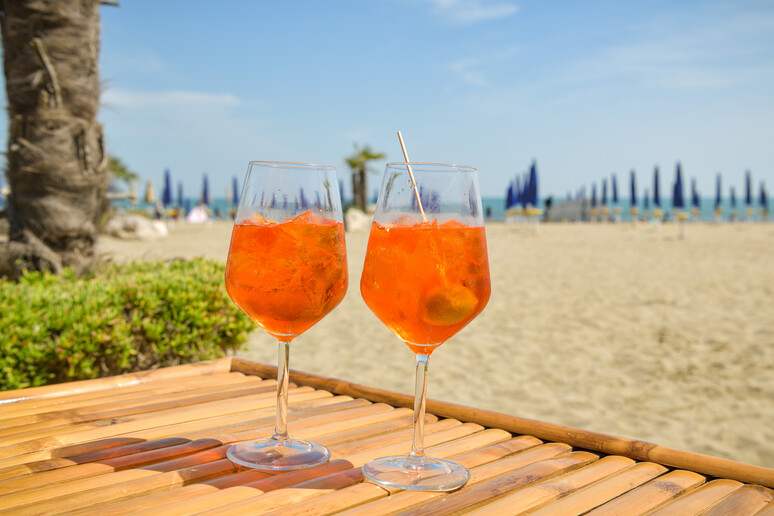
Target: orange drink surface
x=287 y=276
x=427 y=281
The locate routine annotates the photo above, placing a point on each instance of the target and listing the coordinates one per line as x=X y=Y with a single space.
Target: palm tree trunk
x=57 y=163
x=362 y=193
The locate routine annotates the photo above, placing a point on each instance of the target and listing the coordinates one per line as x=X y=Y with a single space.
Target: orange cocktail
x=426 y=281
x=287 y=276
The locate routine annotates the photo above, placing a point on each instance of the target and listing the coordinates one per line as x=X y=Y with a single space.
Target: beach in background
x=624 y=329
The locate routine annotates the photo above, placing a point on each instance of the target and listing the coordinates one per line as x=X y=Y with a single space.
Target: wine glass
x=426 y=276
x=286 y=269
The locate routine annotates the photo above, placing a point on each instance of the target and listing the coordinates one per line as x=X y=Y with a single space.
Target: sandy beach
x=622 y=329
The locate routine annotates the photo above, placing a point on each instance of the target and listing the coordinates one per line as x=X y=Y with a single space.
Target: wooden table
x=155 y=443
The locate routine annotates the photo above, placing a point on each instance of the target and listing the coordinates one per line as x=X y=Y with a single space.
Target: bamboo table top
x=155 y=442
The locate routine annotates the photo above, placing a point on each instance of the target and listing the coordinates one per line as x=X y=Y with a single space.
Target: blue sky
x=585 y=88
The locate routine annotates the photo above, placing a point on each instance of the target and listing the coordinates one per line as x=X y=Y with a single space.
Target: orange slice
x=449 y=305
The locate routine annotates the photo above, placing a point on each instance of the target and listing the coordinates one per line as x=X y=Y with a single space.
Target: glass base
x=425 y=474
x=275 y=455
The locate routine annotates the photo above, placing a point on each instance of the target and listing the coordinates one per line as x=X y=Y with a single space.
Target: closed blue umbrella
x=533 y=185
x=604 y=192
x=509 y=196
x=524 y=195
x=614 y=188
x=748 y=189
x=235 y=187
x=678 y=200
x=517 y=193
x=166 y=195
x=764 y=199
x=205 y=191
x=594 y=195
x=718 y=195
x=656 y=193
x=633 y=196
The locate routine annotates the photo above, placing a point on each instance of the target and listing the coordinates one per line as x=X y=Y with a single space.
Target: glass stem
x=283 y=375
x=417 y=454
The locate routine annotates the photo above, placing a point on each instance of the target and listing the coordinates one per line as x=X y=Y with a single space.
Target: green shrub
x=123 y=318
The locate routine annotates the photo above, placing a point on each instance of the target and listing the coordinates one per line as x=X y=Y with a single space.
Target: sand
x=622 y=329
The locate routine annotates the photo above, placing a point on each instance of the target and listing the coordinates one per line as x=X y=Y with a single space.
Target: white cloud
x=714 y=52
x=172 y=98
x=472 y=70
x=468 y=70
x=472 y=11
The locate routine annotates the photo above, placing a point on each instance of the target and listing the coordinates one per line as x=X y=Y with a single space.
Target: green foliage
x=120 y=172
x=359 y=160
x=123 y=318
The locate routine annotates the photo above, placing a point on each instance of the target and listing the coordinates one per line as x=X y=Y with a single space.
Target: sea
x=493 y=207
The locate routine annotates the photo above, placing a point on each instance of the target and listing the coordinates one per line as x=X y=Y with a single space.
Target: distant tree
x=57 y=163
x=358 y=163
x=120 y=172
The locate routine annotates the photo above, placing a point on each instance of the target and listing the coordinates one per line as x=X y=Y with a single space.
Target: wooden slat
x=147 y=484
x=141 y=428
x=366 y=492
x=401 y=500
x=745 y=500
x=608 y=444
x=766 y=511
x=144 y=403
x=544 y=492
x=199 y=369
x=475 y=495
x=91 y=469
x=601 y=492
x=76 y=457
x=77 y=423
x=699 y=499
x=644 y=498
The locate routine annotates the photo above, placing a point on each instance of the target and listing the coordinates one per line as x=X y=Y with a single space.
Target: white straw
x=411 y=175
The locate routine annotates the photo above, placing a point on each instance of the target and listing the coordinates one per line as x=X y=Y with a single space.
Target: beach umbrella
x=517 y=194
x=166 y=194
x=748 y=189
x=594 y=195
x=633 y=188
x=524 y=192
x=718 y=196
x=604 y=192
x=509 y=196
x=764 y=199
x=533 y=185
x=645 y=200
x=205 y=191
x=678 y=201
x=656 y=193
x=614 y=188
x=236 y=192
x=732 y=198
x=150 y=192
